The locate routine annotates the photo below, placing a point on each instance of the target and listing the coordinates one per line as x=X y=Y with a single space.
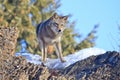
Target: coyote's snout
x=50 y=32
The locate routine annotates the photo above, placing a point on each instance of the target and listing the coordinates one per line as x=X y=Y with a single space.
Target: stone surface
x=16 y=68
x=101 y=67
x=8 y=39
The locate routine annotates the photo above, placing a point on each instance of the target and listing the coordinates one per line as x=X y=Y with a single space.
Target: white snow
x=70 y=59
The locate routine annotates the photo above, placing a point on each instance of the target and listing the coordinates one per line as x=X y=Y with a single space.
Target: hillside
x=101 y=67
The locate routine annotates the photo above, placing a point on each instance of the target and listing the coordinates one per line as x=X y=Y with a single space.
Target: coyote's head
x=57 y=23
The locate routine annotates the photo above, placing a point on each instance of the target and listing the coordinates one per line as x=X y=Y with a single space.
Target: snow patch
x=70 y=59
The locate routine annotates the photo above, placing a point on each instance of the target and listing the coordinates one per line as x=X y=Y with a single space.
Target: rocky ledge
x=102 y=67
x=8 y=39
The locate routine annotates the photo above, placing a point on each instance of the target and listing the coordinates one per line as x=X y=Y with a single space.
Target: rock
x=17 y=68
x=8 y=39
x=101 y=67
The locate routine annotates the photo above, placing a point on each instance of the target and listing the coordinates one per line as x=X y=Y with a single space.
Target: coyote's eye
x=56 y=24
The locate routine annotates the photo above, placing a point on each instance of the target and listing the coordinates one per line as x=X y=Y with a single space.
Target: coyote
x=49 y=32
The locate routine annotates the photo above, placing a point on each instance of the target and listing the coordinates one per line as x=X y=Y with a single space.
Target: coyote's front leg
x=43 y=49
x=44 y=53
x=59 y=51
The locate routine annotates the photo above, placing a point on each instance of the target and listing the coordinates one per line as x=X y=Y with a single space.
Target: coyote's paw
x=43 y=60
x=63 y=60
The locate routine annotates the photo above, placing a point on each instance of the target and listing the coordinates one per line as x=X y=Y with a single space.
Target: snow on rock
x=30 y=57
x=70 y=59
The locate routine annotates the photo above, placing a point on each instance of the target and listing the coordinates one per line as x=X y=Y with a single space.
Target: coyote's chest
x=50 y=41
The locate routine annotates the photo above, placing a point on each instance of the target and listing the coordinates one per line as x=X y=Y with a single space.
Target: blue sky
x=87 y=13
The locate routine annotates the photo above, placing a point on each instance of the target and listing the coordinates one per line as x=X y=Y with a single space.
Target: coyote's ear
x=65 y=17
x=55 y=15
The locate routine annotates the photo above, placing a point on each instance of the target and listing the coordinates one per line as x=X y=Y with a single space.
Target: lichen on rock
x=8 y=39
